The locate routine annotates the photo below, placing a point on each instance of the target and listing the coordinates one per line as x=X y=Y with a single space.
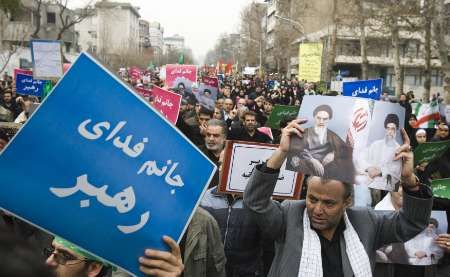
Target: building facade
x=175 y=42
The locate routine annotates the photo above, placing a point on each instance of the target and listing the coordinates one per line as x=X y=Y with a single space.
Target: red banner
x=167 y=102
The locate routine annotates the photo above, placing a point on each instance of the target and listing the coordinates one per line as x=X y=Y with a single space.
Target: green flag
x=279 y=113
x=441 y=188
x=181 y=59
x=48 y=86
x=427 y=152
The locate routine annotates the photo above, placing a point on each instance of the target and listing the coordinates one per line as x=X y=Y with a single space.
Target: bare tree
x=69 y=20
x=392 y=18
x=9 y=9
x=442 y=30
x=252 y=33
x=37 y=18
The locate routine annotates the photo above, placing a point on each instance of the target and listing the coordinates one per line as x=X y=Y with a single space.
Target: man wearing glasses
x=67 y=260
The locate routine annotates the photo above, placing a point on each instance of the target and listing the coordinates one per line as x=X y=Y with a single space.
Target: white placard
x=47 y=59
x=244 y=158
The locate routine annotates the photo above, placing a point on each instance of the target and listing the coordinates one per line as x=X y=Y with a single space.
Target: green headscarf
x=79 y=251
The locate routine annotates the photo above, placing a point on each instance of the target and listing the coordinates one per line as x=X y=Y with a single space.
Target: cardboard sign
x=240 y=161
x=280 y=112
x=167 y=102
x=427 y=152
x=371 y=89
x=47 y=59
x=107 y=169
x=26 y=85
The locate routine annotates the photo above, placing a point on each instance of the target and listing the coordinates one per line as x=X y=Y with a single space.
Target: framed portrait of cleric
x=374 y=156
x=239 y=163
x=324 y=150
x=420 y=250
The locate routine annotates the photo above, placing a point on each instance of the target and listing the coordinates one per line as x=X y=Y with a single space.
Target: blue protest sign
x=366 y=89
x=104 y=170
x=25 y=84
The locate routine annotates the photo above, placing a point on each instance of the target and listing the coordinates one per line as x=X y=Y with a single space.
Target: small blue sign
x=26 y=85
x=365 y=89
x=104 y=170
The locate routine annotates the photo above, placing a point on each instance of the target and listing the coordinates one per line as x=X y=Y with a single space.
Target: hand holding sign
x=404 y=153
x=163 y=263
x=291 y=129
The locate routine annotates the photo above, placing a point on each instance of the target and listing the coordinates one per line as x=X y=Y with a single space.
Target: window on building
x=51 y=18
x=447 y=8
x=436 y=78
x=67 y=46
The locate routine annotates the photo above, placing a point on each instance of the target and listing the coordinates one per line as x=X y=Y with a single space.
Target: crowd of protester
x=223 y=238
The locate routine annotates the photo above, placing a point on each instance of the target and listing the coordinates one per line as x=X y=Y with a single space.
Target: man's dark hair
x=324 y=108
x=434 y=222
x=392 y=118
x=206 y=91
x=348 y=188
x=4 y=136
x=204 y=110
x=248 y=113
x=19 y=259
x=220 y=123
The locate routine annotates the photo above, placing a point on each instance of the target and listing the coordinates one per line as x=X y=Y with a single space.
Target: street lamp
x=260 y=50
x=292 y=22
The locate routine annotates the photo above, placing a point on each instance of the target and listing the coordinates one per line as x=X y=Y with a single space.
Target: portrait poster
x=207 y=92
x=240 y=161
x=181 y=76
x=349 y=139
x=420 y=250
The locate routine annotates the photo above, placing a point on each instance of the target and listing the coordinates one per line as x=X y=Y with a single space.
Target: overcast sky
x=199 y=21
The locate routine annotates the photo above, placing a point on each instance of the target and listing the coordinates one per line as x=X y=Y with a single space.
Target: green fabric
x=441 y=188
x=48 y=86
x=181 y=59
x=79 y=251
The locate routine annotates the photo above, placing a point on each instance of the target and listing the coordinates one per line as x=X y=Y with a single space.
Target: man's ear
x=94 y=269
x=348 y=202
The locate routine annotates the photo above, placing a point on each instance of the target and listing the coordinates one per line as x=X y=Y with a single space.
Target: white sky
x=200 y=21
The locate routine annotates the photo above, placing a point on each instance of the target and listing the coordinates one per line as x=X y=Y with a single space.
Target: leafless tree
x=69 y=20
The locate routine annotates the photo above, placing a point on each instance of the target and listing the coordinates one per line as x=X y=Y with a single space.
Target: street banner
x=441 y=188
x=181 y=75
x=280 y=112
x=207 y=92
x=350 y=139
x=427 y=152
x=111 y=174
x=47 y=59
x=310 y=61
x=427 y=114
x=26 y=85
x=239 y=163
x=167 y=102
x=365 y=89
